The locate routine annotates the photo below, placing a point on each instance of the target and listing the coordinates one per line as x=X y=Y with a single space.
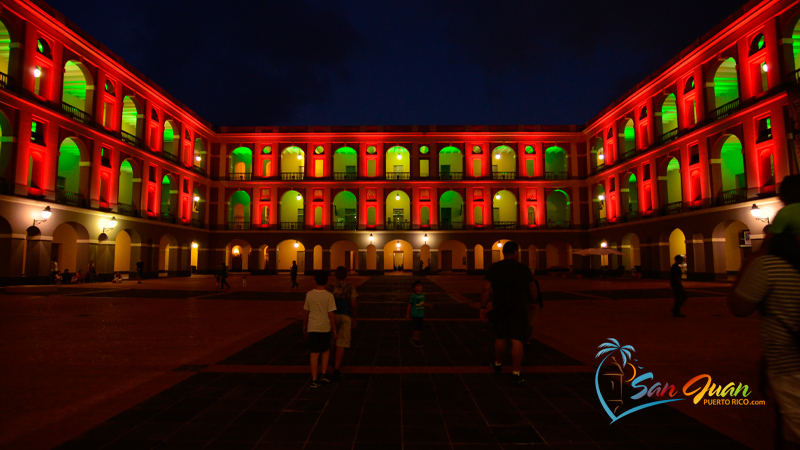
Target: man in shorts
x=139 y=271
x=346 y=314
x=511 y=286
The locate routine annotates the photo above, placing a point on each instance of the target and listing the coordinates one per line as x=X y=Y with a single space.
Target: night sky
x=357 y=62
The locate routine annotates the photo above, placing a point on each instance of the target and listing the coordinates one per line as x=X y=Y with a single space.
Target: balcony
x=168 y=218
x=170 y=157
x=198 y=223
x=76 y=114
x=734 y=196
x=130 y=139
x=349 y=225
x=504 y=175
x=199 y=170
x=504 y=225
x=237 y=226
x=451 y=226
x=292 y=176
x=601 y=222
x=5 y=81
x=669 y=136
x=558 y=224
x=343 y=176
x=239 y=176
x=398 y=175
x=673 y=208
x=451 y=175
x=631 y=216
x=600 y=167
x=627 y=155
x=725 y=110
x=398 y=225
x=70 y=198
x=556 y=175
x=293 y=225
x=127 y=210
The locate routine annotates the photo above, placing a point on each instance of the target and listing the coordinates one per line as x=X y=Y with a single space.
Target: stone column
x=309 y=264
x=272 y=261
x=379 y=260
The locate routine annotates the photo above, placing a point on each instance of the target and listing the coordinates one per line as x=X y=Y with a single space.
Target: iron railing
x=504 y=225
x=70 y=198
x=724 y=110
x=673 y=208
x=170 y=157
x=199 y=170
x=504 y=175
x=398 y=225
x=556 y=175
x=4 y=80
x=451 y=175
x=600 y=167
x=601 y=222
x=340 y=176
x=239 y=176
x=168 y=217
x=292 y=176
x=628 y=154
x=198 y=223
x=293 y=225
x=670 y=135
x=127 y=210
x=451 y=226
x=237 y=226
x=76 y=113
x=128 y=138
x=349 y=225
x=558 y=224
x=631 y=216
x=398 y=175
x=734 y=196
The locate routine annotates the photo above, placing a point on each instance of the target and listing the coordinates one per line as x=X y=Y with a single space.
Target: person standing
x=771 y=284
x=223 y=276
x=676 y=282
x=318 y=324
x=293 y=274
x=54 y=269
x=416 y=311
x=139 y=271
x=346 y=314
x=511 y=286
x=91 y=271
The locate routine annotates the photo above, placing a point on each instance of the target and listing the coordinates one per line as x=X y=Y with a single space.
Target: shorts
x=417 y=322
x=343 y=325
x=513 y=326
x=139 y=272
x=319 y=342
x=784 y=388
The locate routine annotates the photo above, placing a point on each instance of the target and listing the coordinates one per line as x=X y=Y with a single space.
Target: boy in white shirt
x=318 y=325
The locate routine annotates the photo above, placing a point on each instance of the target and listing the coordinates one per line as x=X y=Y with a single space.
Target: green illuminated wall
x=74 y=90
x=125 y=196
x=451 y=156
x=5 y=48
x=669 y=114
x=392 y=160
x=726 y=84
x=674 y=190
x=289 y=161
x=130 y=113
x=69 y=159
x=344 y=157
x=633 y=193
x=169 y=136
x=507 y=205
x=796 y=45
x=452 y=200
x=732 y=164
x=239 y=207
x=290 y=205
x=341 y=203
x=555 y=160
x=166 y=196
x=629 y=136
x=241 y=160
x=507 y=161
x=558 y=206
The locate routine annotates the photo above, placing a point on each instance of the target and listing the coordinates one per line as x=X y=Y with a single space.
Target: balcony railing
x=670 y=135
x=631 y=216
x=168 y=217
x=628 y=154
x=398 y=225
x=5 y=80
x=70 y=198
x=734 y=196
x=170 y=157
x=724 y=110
x=504 y=175
x=504 y=225
x=451 y=175
x=128 y=138
x=398 y=175
x=237 y=226
x=556 y=175
x=199 y=170
x=600 y=167
x=558 y=224
x=239 y=176
x=293 y=225
x=795 y=76
x=349 y=225
x=292 y=176
x=451 y=226
x=127 y=210
x=76 y=113
x=673 y=208
x=198 y=223
x=341 y=176
x=601 y=222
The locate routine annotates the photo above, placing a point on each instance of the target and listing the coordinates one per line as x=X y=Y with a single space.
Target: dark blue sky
x=396 y=62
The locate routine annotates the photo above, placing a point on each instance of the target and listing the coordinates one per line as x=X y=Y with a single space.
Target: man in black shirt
x=511 y=286
x=677 y=286
x=139 y=271
x=293 y=274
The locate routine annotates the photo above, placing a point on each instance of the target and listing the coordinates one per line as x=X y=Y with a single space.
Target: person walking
x=345 y=317
x=511 y=286
x=318 y=324
x=91 y=272
x=676 y=282
x=293 y=275
x=139 y=271
x=223 y=276
x=54 y=269
x=771 y=285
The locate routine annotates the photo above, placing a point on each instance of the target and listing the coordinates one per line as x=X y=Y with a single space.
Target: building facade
x=673 y=167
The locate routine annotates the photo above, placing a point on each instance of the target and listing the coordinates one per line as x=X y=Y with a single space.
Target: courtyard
x=176 y=363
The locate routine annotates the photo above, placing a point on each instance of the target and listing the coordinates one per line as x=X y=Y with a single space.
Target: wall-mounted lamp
x=299 y=197
x=111 y=224
x=499 y=245
x=425 y=239
x=604 y=244
x=235 y=251
x=399 y=156
x=196 y=198
x=371 y=238
x=37 y=72
x=296 y=244
x=497 y=196
x=397 y=245
x=46 y=213
x=602 y=199
x=497 y=156
x=299 y=157
x=601 y=156
x=194 y=245
x=397 y=196
x=765 y=67
x=197 y=158
x=756 y=212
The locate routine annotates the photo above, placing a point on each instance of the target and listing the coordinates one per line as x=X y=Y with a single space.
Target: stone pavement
x=252 y=392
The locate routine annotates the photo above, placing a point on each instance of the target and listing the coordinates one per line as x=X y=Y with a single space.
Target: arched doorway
x=292 y=211
x=677 y=244
x=398 y=256
x=557 y=205
x=398 y=163
x=669 y=115
x=317 y=257
x=168 y=145
x=504 y=211
x=77 y=90
x=345 y=164
x=504 y=163
x=726 y=84
x=66 y=250
x=239 y=211
x=292 y=163
x=497 y=250
x=555 y=164
x=167 y=255
x=73 y=177
x=241 y=163
x=398 y=211
x=290 y=251
x=345 y=207
x=132 y=117
x=731 y=169
x=372 y=257
x=122 y=253
x=169 y=198
x=630 y=247
x=737 y=245
x=451 y=211
x=451 y=164
x=599 y=203
x=478 y=252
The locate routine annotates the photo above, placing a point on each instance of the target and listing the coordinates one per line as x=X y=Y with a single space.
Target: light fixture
x=110 y=225
x=196 y=198
x=425 y=239
x=604 y=244
x=765 y=67
x=601 y=156
x=399 y=156
x=299 y=197
x=756 y=213
x=46 y=213
x=296 y=244
x=194 y=245
x=371 y=238
x=197 y=158
x=497 y=156
x=497 y=196
x=397 y=245
x=397 y=196
x=602 y=199
x=499 y=245
x=37 y=72
x=299 y=157
x=235 y=251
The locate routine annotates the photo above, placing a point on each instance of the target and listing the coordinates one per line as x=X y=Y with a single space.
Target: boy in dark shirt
x=676 y=283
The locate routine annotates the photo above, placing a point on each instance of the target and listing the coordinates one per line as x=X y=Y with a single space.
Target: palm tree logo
x=625 y=351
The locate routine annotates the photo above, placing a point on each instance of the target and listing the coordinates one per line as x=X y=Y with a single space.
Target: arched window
x=77 y=91
x=758 y=43
x=555 y=164
x=689 y=86
x=726 y=86
x=43 y=48
x=669 y=116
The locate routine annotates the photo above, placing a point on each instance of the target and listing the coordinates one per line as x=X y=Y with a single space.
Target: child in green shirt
x=416 y=311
